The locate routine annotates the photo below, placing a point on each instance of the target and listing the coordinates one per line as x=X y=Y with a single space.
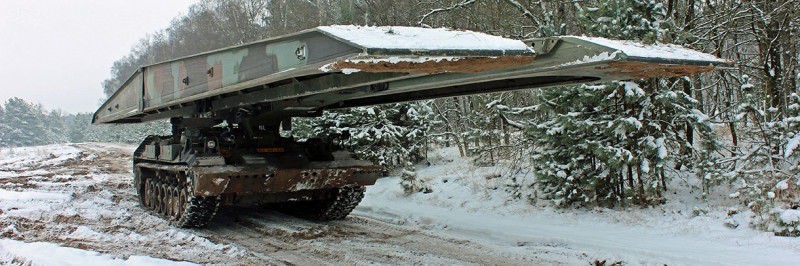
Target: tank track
x=168 y=195
x=336 y=206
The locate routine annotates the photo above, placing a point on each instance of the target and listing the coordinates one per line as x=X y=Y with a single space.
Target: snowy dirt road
x=359 y=239
x=73 y=204
x=79 y=196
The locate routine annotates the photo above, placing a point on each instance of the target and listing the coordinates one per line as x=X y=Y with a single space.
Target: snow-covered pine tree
x=25 y=122
x=56 y=128
x=604 y=144
x=388 y=135
x=642 y=20
x=486 y=128
x=76 y=126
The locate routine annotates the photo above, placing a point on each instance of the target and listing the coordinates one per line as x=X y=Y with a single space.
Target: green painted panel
x=290 y=54
x=177 y=76
x=151 y=94
x=230 y=62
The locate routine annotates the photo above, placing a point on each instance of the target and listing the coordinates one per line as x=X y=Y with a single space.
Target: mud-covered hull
x=187 y=190
x=218 y=180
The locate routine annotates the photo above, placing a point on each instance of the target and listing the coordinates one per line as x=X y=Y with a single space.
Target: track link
x=339 y=203
x=346 y=199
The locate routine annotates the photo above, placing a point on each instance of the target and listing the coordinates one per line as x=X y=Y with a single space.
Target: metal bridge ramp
x=344 y=66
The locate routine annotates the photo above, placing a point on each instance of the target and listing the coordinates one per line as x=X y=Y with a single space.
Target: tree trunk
x=640 y=180
x=687 y=88
x=630 y=178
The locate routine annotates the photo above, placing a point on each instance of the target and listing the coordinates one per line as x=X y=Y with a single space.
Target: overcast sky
x=57 y=52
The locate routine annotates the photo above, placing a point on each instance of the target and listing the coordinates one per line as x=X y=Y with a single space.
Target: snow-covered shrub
x=388 y=135
x=765 y=169
x=783 y=222
x=411 y=182
x=610 y=143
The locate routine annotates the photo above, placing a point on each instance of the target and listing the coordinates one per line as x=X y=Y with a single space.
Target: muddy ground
x=97 y=210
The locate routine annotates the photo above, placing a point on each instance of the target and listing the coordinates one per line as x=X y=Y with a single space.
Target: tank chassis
x=228 y=107
x=240 y=158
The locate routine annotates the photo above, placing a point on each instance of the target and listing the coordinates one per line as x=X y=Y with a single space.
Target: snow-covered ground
x=470 y=202
x=74 y=205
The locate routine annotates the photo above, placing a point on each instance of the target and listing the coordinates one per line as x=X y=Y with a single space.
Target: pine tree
x=642 y=20
x=388 y=135
x=26 y=124
x=606 y=143
x=55 y=127
x=4 y=128
x=77 y=126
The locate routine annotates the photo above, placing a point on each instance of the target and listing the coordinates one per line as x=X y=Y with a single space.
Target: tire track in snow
x=356 y=240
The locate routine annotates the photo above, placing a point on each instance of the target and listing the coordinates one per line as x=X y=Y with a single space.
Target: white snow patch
x=30 y=195
x=390 y=60
x=783 y=185
x=604 y=56
x=701 y=117
x=398 y=59
x=646 y=165
x=45 y=155
x=668 y=51
x=43 y=253
x=346 y=71
x=415 y=38
x=791 y=145
x=662 y=149
x=790 y=216
x=83 y=232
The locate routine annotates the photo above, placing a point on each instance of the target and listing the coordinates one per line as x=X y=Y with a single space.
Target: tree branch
x=464 y=3
x=525 y=12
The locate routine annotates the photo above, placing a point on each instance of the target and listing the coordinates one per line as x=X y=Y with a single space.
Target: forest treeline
x=613 y=144
x=28 y=124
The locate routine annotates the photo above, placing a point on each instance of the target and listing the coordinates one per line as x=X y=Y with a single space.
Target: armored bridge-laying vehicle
x=227 y=106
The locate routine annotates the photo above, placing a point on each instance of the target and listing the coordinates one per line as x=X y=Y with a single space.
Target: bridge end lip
x=634 y=51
